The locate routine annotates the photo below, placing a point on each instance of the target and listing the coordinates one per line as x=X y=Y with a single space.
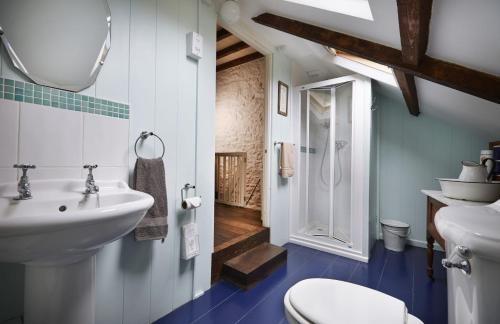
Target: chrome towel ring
x=144 y=136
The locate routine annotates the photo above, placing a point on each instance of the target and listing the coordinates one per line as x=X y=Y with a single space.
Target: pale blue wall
x=281 y=131
x=173 y=96
x=412 y=152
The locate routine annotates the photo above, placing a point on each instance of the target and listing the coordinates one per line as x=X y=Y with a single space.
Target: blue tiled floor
x=402 y=275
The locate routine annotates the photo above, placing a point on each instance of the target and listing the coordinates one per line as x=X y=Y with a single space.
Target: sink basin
x=56 y=234
x=472 y=191
x=61 y=224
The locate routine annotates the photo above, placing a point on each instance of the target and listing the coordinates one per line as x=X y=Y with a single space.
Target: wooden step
x=248 y=268
x=235 y=247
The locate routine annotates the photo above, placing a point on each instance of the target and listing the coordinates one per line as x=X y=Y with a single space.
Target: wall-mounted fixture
x=57 y=43
x=143 y=136
x=190 y=244
x=230 y=12
x=194 y=45
x=24 y=187
x=189 y=202
x=90 y=186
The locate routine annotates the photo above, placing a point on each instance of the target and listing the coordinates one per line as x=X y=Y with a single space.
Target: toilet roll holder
x=185 y=189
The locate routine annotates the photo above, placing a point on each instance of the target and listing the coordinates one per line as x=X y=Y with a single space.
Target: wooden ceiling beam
x=222 y=34
x=458 y=77
x=239 y=61
x=407 y=85
x=414 y=19
x=231 y=49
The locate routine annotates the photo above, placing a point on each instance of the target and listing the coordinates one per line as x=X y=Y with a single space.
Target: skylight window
x=356 y=8
x=363 y=66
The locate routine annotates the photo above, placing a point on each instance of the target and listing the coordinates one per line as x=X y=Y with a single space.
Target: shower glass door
x=325 y=161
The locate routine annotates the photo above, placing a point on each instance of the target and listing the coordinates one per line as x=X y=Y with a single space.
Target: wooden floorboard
x=249 y=216
x=232 y=222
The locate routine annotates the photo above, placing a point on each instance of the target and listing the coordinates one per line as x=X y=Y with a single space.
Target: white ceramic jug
x=475 y=172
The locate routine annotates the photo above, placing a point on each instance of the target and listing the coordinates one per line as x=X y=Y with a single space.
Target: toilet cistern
x=472 y=261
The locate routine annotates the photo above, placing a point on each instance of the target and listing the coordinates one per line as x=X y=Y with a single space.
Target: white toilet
x=328 y=301
x=472 y=236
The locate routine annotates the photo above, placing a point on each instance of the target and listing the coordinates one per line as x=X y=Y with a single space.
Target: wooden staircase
x=242 y=253
x=231 y=249
x=250 y=267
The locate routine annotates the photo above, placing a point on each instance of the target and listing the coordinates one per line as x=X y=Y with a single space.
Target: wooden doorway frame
x=267 y=51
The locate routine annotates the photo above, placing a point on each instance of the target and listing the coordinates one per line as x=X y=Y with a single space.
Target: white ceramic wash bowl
x=472 y=191
x=61 y=225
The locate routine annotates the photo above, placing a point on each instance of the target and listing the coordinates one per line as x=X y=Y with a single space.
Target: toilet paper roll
x=191 y=203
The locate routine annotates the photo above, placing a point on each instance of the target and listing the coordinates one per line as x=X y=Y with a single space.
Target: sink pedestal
x=57 y=235
x=60 y=294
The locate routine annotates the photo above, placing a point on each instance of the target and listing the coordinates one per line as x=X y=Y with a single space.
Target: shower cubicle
x=330 y=194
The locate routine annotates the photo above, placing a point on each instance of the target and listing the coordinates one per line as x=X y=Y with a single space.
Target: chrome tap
x=90 y=187
x=464 y=255
x=23 y=186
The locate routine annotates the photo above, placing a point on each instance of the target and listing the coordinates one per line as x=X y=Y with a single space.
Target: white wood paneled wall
x=173 y=96
x=281 y=131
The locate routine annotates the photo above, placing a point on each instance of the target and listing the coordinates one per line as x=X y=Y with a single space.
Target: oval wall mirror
x=57 y=43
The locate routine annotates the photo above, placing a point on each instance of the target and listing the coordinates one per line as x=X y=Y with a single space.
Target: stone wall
x=239 y=120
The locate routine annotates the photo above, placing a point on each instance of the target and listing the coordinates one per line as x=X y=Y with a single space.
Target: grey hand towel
x=149 y=177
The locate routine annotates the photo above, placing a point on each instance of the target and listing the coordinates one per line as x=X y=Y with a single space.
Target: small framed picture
x=282 y=98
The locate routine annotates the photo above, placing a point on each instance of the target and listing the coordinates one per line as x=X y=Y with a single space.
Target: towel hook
x=144 y=135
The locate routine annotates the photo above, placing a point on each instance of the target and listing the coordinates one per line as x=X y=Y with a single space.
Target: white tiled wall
x=9 y=135
x=60 y=142
x=104 y=140
x=50 y=137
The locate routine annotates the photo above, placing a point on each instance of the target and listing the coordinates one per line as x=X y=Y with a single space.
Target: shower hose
x=338 y=146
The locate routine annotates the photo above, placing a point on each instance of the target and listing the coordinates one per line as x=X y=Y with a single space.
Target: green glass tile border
x=50 y=97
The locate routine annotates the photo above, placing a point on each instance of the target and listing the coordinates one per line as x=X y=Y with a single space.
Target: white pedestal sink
x=57 y=234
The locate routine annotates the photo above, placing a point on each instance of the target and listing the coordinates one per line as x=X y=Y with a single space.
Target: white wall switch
x=194 y=43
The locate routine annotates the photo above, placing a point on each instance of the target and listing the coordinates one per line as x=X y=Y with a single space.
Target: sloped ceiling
x=462 y=31
x=227 y=42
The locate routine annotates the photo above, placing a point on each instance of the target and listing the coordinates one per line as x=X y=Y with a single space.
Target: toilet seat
x=325 y=301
